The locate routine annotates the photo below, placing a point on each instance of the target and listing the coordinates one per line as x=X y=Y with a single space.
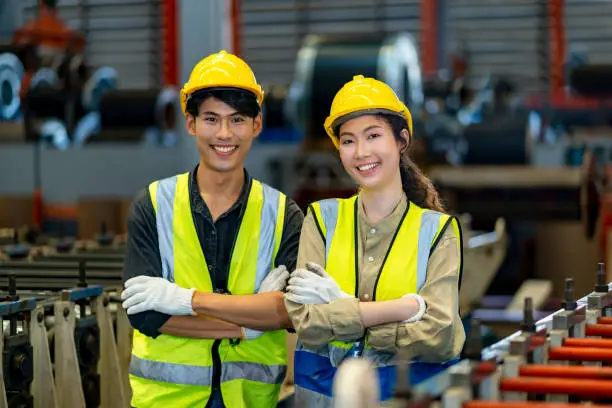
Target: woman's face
x=369 y=151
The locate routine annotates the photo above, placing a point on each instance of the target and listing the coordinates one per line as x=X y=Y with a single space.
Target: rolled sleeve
x=317 y=325
x=440 y=335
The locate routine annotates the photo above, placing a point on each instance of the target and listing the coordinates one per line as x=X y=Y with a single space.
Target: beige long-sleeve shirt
x=438 y=336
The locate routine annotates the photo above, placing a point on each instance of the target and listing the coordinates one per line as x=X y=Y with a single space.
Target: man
x=208 y=255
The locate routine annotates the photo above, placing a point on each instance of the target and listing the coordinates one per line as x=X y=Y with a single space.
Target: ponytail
x=418 y=187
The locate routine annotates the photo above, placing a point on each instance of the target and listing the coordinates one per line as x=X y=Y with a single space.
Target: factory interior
x=512 y=113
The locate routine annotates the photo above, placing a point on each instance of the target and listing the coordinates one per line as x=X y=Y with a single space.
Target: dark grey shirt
x=216 y=238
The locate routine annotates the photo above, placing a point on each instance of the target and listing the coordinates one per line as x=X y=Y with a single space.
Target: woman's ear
x=405 y=136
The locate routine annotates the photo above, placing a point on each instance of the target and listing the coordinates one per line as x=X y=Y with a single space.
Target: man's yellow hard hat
x=364 y=94
x=221 y=70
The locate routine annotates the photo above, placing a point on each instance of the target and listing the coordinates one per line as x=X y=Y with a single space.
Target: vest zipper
x=216 y=377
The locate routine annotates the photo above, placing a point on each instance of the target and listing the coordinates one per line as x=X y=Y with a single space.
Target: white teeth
x=367 y=167
x=224 y=149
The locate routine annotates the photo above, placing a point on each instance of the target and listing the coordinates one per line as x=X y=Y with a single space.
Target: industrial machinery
x=65 y=325
x=560 y=359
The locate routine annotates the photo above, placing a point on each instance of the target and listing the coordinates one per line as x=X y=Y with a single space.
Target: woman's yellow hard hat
x=221 y=70
x=364 y=94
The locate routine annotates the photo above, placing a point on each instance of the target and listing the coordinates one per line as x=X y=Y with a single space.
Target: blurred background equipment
x=46 y=76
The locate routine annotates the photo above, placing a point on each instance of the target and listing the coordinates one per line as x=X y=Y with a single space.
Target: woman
x=377 y=273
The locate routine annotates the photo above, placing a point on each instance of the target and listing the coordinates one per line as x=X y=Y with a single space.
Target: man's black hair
x=244 y=102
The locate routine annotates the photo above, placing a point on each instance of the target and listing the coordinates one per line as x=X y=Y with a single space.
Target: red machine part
x=597 y=343
x=580 y=354
x=588 y=389
x=601 y=330
x=559 y=371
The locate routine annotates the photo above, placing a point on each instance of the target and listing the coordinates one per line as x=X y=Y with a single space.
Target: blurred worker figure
x=208 y=255
x=378 y=274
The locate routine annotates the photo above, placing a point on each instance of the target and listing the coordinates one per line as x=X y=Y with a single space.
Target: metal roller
x=139 y=109
x=11 y=75
x=325 y=64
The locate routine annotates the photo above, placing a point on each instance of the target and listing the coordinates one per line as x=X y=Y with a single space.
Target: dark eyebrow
x=363 y=131
x=216 y=114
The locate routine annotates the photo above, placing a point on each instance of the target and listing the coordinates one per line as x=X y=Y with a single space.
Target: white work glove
x=275 y=281
x=313 y=285
x=144 y=293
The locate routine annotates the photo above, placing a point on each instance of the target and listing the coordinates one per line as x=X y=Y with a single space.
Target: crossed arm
x=219 y=316
x=439 y=335
x=223 y=316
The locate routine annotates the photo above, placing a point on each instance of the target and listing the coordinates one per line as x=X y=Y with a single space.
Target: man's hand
x=144 y=293
x=313 y=285
x=275 y=281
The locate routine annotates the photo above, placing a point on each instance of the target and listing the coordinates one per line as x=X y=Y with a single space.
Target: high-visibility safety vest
x=404 y=271
x=171 y=371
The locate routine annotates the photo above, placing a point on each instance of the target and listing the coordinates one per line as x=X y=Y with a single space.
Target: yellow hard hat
x=364 y=94
x=221 y=70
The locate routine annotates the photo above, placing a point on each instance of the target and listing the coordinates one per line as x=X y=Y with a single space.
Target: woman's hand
x=313 y=285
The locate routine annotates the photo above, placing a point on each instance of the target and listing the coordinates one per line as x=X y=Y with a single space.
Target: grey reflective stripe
x=311 y=399
x=164 y=218
x=430 y=221
x=273 y=374
x=329 y=213
x=170 y=373
x=200 y=375
x=269 y=214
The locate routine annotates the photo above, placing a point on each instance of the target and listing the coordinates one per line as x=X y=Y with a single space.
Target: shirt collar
x=390 y=221
x=198 y=202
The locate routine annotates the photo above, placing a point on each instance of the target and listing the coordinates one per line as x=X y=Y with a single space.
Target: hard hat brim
x=187 y=93
x=373 y=111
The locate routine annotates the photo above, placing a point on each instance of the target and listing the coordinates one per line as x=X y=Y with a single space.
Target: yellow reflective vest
x=171 y=371
x=404 y=271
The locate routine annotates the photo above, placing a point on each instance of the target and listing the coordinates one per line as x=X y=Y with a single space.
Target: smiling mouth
x=368 y=168
x=224 y=149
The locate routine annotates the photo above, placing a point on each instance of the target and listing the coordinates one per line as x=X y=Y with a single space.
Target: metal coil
x=46 y=102
x=45 y=77
x=325 y=64
x=139 y=109
x=592 y=80
x=499 y=140
x=103 y=80
x=53 y=133
x=11 y=75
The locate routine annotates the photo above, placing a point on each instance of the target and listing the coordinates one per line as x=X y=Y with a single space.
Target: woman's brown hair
x=417 y=186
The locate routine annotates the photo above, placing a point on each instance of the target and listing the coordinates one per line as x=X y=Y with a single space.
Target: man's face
x=224 y=136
